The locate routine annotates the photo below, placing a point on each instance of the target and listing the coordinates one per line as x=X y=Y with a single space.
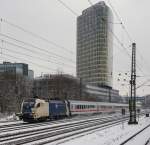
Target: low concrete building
x=60 y=86
x=64 y=86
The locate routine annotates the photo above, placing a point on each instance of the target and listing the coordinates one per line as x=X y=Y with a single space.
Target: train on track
x=34 y=109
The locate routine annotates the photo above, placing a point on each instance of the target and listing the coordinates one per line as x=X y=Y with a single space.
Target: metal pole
x=80 y=88
x=134 y=85
x=132 y=102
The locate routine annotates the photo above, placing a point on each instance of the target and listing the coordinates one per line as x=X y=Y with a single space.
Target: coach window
x=102 y=107
x=71 y=106
x=79 y=107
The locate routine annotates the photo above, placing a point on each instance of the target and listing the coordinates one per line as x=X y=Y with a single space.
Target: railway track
x=44 y=126
x=2 y=121
x=135 y=135
x=18 y=126
x=57 y=132
x=147 y=142
x=23 y=125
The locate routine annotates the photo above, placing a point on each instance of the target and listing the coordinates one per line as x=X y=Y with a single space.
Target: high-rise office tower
x=95 y=45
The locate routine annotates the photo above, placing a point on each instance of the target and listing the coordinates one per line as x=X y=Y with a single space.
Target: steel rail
x=78 y=132
x=55 y=132
x=134 y=135
x=2 y=131
x=36 y=132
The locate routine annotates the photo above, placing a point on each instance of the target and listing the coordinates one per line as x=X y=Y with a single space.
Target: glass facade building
x=95 y=45
x=14 y=68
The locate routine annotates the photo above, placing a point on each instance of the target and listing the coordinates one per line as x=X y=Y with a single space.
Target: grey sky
x=52 y=20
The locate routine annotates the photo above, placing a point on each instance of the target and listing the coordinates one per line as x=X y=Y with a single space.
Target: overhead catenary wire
x=35 y=52
x=138 y=65
x=72 y=11
x=67 y=7
x=118 y=40
x=41 y=66
x=115 y=36
x=36 y=57
x=14 y=57
x=120 y=19
x=123 y=26
x=110 y=30
x=36 y=35
x=128 y=35
x=31 y=45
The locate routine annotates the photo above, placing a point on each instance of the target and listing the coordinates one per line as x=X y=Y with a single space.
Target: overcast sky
x=51 y=20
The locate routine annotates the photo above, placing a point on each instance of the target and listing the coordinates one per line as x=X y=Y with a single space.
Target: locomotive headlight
x=33 y=111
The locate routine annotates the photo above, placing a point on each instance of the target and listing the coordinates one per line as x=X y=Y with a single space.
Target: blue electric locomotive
x=39 y=110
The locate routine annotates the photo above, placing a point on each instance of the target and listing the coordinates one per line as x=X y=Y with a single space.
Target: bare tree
x=13 y=89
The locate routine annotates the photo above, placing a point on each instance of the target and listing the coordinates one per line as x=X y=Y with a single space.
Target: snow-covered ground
x=8 y=119
x=10 y=122
x=113 y=135
x=104 y=136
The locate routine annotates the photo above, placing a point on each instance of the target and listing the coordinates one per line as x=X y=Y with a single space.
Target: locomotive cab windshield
x=27 y=109
x=28 y=105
